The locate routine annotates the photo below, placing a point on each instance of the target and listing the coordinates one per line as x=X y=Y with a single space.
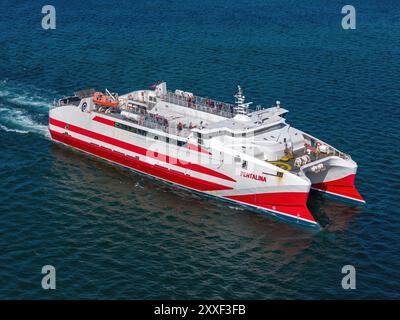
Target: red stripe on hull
x=131 y=162
x=140 y=150
x=293 y=204
x=197 y=148
x=104 y=121
x=189 y=145
x=342 y=187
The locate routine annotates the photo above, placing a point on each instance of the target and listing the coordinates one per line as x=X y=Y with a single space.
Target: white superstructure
x=253 y=158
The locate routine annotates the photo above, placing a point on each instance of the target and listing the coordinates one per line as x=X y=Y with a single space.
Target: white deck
x=263 y=133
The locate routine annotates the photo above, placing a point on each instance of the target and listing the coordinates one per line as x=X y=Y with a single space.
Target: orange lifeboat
x=101 y=99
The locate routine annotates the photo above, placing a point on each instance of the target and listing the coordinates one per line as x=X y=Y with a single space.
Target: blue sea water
x=114 y=234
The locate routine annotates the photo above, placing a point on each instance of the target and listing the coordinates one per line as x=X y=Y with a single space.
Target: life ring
x=282 y=165
x=83 y=107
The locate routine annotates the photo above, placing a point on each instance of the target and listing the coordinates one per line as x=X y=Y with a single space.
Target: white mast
x=241 y=107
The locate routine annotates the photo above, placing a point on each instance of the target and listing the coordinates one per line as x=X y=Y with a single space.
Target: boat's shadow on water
x=333 y=215
x=180 y=211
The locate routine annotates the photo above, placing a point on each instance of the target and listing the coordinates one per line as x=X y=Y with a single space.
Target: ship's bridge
x=263 y=134
x=253 y=124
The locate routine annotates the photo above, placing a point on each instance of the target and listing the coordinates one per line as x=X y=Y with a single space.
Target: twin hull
x=261 y=186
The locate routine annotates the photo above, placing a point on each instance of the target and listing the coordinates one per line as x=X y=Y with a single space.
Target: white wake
x=19 y=107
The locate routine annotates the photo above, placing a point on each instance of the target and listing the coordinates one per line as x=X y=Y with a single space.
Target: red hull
x=133 y=163
x=139 y=150
x=288 y=204
x=292 y=204
x=344 y=187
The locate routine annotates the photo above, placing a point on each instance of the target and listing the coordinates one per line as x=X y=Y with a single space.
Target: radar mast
x=241 y=107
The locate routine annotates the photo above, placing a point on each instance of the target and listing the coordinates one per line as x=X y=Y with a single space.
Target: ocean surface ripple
x=115 y=234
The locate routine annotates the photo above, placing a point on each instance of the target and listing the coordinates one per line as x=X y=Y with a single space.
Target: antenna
x=241 y=107
x=109 y=93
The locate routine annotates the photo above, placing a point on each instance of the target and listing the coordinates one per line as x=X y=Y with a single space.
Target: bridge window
x=122 y=126
x=130 y=129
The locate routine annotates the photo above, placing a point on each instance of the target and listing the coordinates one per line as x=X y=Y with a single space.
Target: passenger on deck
x=180 y=126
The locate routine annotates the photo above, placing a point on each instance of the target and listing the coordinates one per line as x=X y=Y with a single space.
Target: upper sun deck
x=185 y=119
x=253 y=122
x=203 y=114
x=181 y=113
x=201 y=104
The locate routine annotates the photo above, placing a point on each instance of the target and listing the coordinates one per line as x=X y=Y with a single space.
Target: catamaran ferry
x=228 y=151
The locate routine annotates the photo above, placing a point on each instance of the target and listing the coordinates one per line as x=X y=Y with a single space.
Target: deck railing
x=201 y=104
x=152 y=123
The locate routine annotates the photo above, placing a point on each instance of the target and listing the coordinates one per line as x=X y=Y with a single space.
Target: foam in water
x=19 y=104
x=236 y=208
x=21 y=100
x=25 y=98
x=4 y=128
x=23 y=120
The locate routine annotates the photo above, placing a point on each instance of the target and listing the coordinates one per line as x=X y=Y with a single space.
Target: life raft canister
x=100 y=98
